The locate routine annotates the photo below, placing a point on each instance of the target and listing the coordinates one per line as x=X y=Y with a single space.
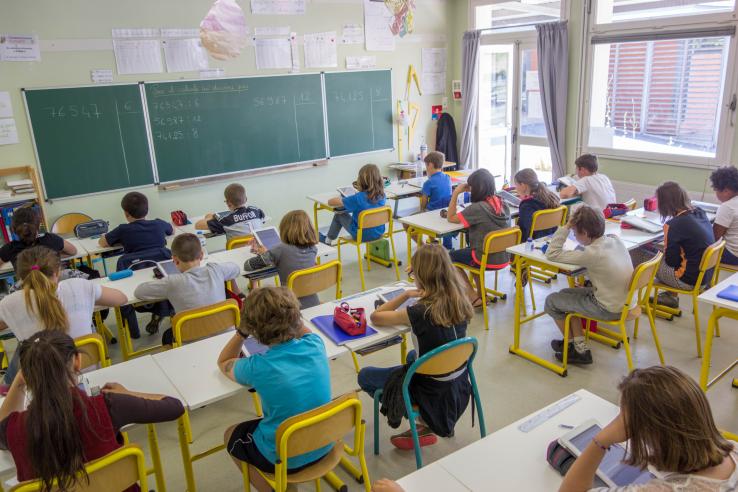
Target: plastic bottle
x=419 y=167
x=529 y=245
x=423 y=149
x=203 y=243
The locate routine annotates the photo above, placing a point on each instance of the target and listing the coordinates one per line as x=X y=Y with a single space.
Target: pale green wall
x=84 y=19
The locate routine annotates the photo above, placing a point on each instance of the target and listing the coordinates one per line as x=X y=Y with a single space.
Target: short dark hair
x=271 y=315
x=235 y=194
x=135 y=204
x=436 y=159
x=588 y=221
x=588 y=162
x=672 y=199
x=482 y=185
x=725 y=178
x=25 y=224
x=186 y=247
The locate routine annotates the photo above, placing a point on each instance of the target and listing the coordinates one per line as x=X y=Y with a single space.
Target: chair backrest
x=710 y=259
x=631 y=204
x=205 y=321
x=315 y=279
x=319 y=427
x=114 y=472
x=548 y=219
x=92 y=348
x=500 y=240
x=645 y=273
x=239 y=242
x=448 y=359
x=65 y=224
x=374 y=217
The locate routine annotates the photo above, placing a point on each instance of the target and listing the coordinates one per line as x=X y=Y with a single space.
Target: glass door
x=532 y=145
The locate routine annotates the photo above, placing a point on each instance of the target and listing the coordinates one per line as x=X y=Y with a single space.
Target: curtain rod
x=530 y=24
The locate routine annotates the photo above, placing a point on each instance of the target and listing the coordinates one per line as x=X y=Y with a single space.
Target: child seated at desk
x=687 y=234
x=62 y=428
x=241 y=219
x=725 y=183
x=608 y=268
x=25 y=224
x=486 y=213
x=296 y=251
x=534 y=196
x=665 y=419
x=45 y=303
x=197 y=285
x=370 y=186
x=291 y=377
x=594 y=187
x=439 y=316
x=436 y=191
x=138 y=233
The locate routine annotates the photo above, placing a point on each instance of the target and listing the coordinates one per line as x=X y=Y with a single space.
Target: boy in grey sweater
x=609 y=269
x=196 y=286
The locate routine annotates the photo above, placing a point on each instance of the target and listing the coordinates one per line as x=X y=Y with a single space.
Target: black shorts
x=241 y=446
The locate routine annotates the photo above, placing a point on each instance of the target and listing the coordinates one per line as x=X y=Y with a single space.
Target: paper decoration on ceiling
x=223 y=31
x=404 y=11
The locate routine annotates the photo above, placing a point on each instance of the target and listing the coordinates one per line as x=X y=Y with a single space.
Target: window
x=614 y=11
x=514 y=13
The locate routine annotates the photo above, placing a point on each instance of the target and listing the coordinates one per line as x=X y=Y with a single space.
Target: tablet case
x=730 y=293
x=326 y=325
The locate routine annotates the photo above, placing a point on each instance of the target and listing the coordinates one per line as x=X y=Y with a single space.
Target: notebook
x=252 y=347
x=326 y=325
x=642 y=224
x=730 y=293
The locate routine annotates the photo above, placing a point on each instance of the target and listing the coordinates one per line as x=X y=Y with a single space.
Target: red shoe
x=404 y=441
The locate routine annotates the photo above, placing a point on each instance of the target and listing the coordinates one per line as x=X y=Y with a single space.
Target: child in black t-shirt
x=25 y=224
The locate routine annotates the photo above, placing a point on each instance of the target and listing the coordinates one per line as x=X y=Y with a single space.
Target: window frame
x=726 y=120
x=472 y=17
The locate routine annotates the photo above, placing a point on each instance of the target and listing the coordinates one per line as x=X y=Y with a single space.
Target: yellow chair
x=640 y=286
x=195 y=324
x=66 y=223
x=92 y=348
x=239 y=242
x=309 y=281
x=710 y=260
x=312 y=430
x=116 y=471
x=494 y=242
x=542 y=221
x=373 y=217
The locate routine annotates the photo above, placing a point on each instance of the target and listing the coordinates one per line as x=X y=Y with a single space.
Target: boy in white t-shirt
x=595 y=189
x=725 y=183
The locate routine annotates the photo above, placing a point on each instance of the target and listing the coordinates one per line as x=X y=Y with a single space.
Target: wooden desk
x=407 y=170
x=430 y=224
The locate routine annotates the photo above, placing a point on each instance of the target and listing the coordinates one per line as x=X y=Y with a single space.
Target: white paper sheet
x=320 y=50
x=142 y=32
x=272 y=31
x=137 y=56
x=377 y=20
x=278 y=7
x=101 y=76
x=359 y=62
x=273 y=53
x=19 y=47
x=185 y=55
x=352 y=34
x=433 y=83
x=434 y=60
x=212 y=73
x=184 y=32
x=6 y=108
x=294 y=52
x=8 y=131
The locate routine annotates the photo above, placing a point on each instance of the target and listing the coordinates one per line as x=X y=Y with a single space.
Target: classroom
x=376 y=245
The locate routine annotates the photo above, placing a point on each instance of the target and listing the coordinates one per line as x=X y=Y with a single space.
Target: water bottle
x=203 y=243
x=423 y=150
x=419 y=167
x=529 y=245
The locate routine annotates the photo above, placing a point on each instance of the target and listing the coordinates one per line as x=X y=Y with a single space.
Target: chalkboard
x=89 y=139
x=210 y=127
x=359 y=107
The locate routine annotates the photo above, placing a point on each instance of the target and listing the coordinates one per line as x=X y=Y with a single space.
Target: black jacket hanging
x=446 y=138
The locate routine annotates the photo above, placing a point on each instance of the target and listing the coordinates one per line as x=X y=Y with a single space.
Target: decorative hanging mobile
x=404 y=11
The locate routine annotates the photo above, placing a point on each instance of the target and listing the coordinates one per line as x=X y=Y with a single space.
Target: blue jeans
x=340 y=220
x=372 y=379
x=13 y=367
x=729 y=258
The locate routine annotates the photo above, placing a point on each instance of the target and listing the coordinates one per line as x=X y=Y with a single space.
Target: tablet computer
x=509 y=198
x=612 y=470
x=167 y=268
x=388 y=296
x=267 y=237
x=346 y=191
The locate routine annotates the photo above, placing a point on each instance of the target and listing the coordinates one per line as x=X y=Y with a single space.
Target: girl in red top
x=62 y=428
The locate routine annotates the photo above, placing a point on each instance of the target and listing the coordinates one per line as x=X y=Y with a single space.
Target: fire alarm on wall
x=456 y=89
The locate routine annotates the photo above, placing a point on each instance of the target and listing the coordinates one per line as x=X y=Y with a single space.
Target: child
x=197 y=286
x=687 y=234
x=296 y=251
x=138 y=234
x=534 y=196
x=608 y=268
x=62 y=428
x=666 y=423
x=486 y=213
x=44 y=303
x=439 y=316
x=25 y=224
x=725 y=183
x=436 y=191
x=595 y=188
x=240 y=221
x=370 y=195
x=291 y=377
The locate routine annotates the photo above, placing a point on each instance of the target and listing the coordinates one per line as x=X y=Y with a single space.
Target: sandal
x=404 y=441
x=478 y=304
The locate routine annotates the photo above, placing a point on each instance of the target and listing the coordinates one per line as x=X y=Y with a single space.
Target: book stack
x=19 y=186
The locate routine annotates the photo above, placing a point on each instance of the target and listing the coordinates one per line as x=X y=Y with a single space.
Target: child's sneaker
x=404 y=441
x=153 y=325
x=576 y=357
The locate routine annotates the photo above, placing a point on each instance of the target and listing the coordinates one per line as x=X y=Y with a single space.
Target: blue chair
x=438 y=362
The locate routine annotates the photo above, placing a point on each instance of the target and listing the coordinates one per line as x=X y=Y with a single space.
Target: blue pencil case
x=326 y=325
x=730 y=293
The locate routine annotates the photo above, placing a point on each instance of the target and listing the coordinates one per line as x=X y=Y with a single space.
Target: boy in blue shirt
x=291 y=377
x=436 y=191
x=139 y=233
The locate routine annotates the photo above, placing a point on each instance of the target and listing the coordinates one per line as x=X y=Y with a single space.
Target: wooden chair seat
x=317 y=470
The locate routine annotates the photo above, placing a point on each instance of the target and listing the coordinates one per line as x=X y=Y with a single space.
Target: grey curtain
x=553 y=77
x=470 y=95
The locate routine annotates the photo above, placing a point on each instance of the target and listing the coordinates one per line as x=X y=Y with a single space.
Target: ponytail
x=55 y=446
x=35 y=267
x=25 y=225
x=538 y=190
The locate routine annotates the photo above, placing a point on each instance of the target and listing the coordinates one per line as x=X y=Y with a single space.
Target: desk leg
x=706 y=356
x=126 y=346
x=518 y=299
x=403 y=349
x=315 y=218
x=410 y=231
x=156 y=458
x=186 y=458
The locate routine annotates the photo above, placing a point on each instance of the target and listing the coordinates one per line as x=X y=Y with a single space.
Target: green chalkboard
x=359 y=107
x=89 y=139
x=210 y=127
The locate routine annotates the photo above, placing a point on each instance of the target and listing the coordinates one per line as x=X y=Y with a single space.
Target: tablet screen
x=388 y=296
x=268 y=238
x=168 y=267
